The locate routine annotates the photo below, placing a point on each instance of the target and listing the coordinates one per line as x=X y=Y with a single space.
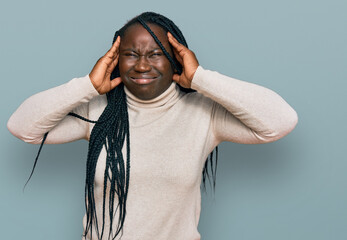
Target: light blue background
x=295 y=188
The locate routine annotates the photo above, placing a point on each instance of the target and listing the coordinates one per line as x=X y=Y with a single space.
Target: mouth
x=143 y=80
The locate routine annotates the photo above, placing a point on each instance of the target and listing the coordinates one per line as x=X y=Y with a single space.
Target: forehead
x=137 y=36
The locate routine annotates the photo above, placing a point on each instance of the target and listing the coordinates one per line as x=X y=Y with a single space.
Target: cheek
x=123 y=66
x=165 y=67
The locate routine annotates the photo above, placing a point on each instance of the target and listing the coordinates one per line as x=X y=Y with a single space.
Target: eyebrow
x=133 y=50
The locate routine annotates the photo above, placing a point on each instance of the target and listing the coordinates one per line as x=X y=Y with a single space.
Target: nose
x=142 y=65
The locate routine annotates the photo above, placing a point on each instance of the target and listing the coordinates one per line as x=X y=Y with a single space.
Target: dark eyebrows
x=127 y=50
x=133 y=50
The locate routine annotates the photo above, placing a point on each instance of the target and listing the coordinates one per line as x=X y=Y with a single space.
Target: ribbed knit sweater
x=170 y=139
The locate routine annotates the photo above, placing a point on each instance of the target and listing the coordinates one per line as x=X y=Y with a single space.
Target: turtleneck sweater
x=170 y=138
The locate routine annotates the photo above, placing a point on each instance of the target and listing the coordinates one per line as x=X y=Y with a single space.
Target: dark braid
x=111 y=131
x=160 y=45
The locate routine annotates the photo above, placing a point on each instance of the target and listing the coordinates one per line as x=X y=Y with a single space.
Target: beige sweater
x=171 y=137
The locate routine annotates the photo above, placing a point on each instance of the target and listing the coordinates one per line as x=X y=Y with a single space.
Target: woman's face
x=143 y=67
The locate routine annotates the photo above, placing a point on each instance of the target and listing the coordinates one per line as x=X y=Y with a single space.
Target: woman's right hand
x=101 y=72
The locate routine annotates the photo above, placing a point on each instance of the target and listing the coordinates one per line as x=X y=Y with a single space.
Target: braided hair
x=111 y=131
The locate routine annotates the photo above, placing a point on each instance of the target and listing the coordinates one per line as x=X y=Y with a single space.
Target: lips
x=142 y=80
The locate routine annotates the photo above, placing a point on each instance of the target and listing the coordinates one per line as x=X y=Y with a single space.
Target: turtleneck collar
x=165 y=98
x=144 y=112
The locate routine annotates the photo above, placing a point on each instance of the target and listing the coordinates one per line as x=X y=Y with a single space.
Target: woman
x=159 y=116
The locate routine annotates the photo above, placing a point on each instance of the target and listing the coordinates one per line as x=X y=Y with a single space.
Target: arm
x=47 y=110
x=244 y=112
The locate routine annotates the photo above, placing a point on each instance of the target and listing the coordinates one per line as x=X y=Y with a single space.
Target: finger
x=115 y=82
x=178 y=57
x=175 y=43
x=114 y=49
x=179 y=50
x=112 y=54
x=175 y=50
x=113 y=64
x=116 y=44
x=171 y=37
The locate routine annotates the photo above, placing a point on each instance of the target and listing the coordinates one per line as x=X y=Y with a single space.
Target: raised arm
x=47 y=111
x=243 y=112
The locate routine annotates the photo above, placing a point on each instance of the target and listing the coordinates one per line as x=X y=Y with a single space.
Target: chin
x=146 y=91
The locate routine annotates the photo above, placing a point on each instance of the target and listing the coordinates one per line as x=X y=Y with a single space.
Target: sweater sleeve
x=244 y=112
x=47 y=112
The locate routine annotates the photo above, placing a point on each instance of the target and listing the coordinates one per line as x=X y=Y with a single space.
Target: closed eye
x=157 y=54
x=130 y=55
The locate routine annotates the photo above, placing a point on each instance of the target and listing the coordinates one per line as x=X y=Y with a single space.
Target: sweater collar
x=167 y=97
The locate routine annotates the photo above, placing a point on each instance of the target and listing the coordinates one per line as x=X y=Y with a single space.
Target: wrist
x=93 y=83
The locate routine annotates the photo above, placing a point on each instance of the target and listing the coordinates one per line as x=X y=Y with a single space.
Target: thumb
x=115 y=82
x=176 y=78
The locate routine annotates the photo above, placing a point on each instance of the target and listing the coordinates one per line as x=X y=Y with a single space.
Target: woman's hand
x=101 y=72
x=187 y=59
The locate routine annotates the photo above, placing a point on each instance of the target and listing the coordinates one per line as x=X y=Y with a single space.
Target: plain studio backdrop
x=292 y=189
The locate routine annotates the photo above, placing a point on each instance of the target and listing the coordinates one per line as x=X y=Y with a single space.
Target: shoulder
x=195 y=100
x=97 y=106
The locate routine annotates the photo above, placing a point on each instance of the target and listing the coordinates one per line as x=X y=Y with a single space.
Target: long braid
x=111 y=131
x=160 y=44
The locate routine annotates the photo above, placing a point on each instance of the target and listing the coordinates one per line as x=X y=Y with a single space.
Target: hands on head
x=101 y=72
x=188 y=61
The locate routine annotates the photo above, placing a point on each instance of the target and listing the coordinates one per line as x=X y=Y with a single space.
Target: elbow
x=18 y=131
x=294 y=121
x=288 y=125
x=280 y=130
x=290 y=122
x=13 y=128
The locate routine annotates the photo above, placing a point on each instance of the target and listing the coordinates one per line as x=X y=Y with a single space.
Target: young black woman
x=174 y=114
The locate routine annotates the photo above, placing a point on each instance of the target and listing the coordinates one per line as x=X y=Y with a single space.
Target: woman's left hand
x=188 y=61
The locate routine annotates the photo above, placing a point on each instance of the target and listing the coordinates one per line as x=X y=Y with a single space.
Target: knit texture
x=170 y=139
